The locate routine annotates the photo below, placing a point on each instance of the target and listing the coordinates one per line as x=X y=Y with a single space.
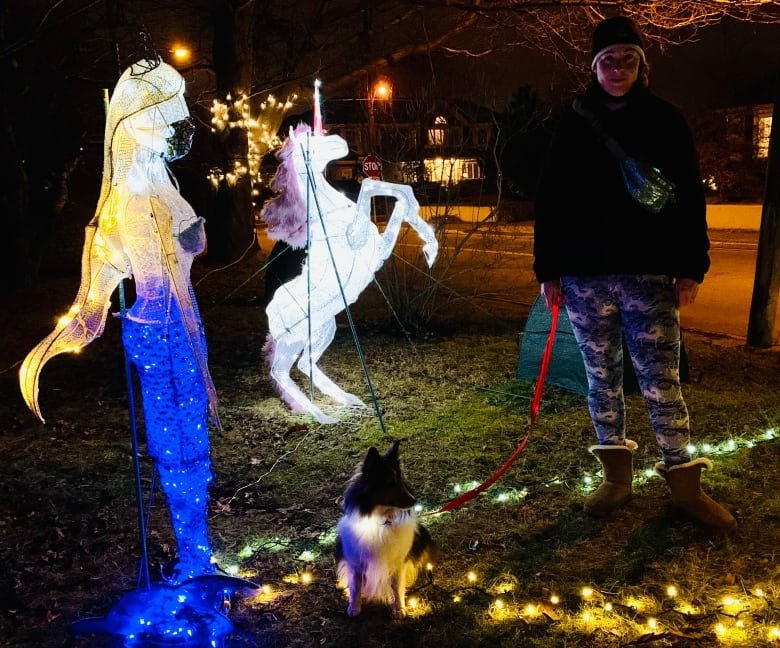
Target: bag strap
x=591 y=118
x=644 y=183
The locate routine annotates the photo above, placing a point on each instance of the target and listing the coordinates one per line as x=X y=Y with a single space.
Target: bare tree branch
x=31 y=35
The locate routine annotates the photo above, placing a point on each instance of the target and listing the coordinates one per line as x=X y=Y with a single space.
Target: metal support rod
x=143 y=576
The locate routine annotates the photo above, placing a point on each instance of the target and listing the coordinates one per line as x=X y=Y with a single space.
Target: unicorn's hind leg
x=321 y=340
x=283 y=356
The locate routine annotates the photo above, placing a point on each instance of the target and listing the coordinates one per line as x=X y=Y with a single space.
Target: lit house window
x=436 y=133
x=451 y=170
x=763 y=127
x=470 y=170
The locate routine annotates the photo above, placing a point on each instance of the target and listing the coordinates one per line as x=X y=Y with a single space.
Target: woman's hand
x=551 y=291
x=685 y=291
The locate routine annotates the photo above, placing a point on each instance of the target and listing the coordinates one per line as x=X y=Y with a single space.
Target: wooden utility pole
x=763 y=307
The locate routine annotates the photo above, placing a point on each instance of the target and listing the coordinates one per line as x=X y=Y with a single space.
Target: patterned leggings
x=641 y=308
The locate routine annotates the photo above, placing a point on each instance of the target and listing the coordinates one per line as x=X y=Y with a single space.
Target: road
x=723 y=303
x=493 y=266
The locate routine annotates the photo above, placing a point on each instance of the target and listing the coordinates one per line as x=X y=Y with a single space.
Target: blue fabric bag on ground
x=566 y=367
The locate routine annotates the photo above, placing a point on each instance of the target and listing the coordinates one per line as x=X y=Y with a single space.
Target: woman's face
x=617 y=69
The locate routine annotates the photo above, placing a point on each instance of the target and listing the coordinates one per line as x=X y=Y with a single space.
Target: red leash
x=535 y=405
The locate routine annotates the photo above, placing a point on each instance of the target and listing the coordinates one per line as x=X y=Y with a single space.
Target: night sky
x=731 y=64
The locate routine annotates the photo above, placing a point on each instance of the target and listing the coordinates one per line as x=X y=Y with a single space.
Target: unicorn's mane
x=285 y=213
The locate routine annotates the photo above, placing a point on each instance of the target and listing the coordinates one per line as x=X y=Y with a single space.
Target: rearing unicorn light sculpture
x=345 y=249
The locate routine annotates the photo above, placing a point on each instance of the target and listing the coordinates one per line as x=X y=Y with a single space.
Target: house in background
x=443 y=150
x=733 y=146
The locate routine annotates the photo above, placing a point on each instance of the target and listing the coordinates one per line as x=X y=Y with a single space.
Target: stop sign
x=372 y=166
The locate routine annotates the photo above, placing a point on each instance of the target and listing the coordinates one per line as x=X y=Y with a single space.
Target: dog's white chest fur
x=375 y=550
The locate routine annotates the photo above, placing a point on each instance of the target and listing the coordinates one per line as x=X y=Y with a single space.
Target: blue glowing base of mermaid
x=193 y=613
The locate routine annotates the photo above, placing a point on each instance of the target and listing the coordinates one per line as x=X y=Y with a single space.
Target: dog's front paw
x=353 y=609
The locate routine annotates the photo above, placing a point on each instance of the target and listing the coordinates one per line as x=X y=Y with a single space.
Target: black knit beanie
x=617 y=30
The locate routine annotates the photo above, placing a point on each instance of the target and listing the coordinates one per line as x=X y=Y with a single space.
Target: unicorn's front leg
x=423 y=229
x=431 y=249
x=406 y=209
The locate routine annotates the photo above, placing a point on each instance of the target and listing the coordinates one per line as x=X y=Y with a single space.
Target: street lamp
x=181 y=54
x=381 y=90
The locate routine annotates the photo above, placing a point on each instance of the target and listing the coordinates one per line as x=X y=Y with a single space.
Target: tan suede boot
x=685 y=484
x=618 y=465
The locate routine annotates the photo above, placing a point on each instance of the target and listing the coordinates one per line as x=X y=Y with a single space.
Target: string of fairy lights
x=735 y=615
x=261 y=133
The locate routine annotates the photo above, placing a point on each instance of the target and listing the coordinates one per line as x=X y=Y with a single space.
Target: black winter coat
x=586 y=222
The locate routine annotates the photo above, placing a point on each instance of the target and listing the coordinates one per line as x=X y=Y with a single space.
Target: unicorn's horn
x=317 y=126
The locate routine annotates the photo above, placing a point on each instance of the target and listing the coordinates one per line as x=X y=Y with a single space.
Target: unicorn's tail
x=269 y=348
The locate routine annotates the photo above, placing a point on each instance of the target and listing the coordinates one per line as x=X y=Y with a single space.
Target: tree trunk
x=763 y=308
x=230 y=224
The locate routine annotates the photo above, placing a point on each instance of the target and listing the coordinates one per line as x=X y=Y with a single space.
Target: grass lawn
x=521 y=565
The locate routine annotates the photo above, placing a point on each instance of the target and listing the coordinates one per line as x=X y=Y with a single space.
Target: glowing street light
x=181 y=53
x=382 y=90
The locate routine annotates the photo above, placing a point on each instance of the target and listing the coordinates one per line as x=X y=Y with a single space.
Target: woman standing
x=623 y=268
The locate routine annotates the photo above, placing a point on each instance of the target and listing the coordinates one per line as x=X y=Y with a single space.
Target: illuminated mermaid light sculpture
x=143 y=228
x=345 y=249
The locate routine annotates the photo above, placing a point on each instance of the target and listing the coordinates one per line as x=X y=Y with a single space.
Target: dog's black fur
x=380 y=543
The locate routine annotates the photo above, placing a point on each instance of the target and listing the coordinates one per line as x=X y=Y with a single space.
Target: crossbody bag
x=644 y=183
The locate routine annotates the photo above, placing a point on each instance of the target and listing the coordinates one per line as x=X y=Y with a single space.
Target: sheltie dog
x=380 y=543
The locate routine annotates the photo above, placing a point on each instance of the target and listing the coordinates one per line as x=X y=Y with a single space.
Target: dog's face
x=382 y=481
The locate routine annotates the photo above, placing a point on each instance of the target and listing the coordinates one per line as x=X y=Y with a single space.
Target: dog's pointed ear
x=371 y=460
x=392 y=453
